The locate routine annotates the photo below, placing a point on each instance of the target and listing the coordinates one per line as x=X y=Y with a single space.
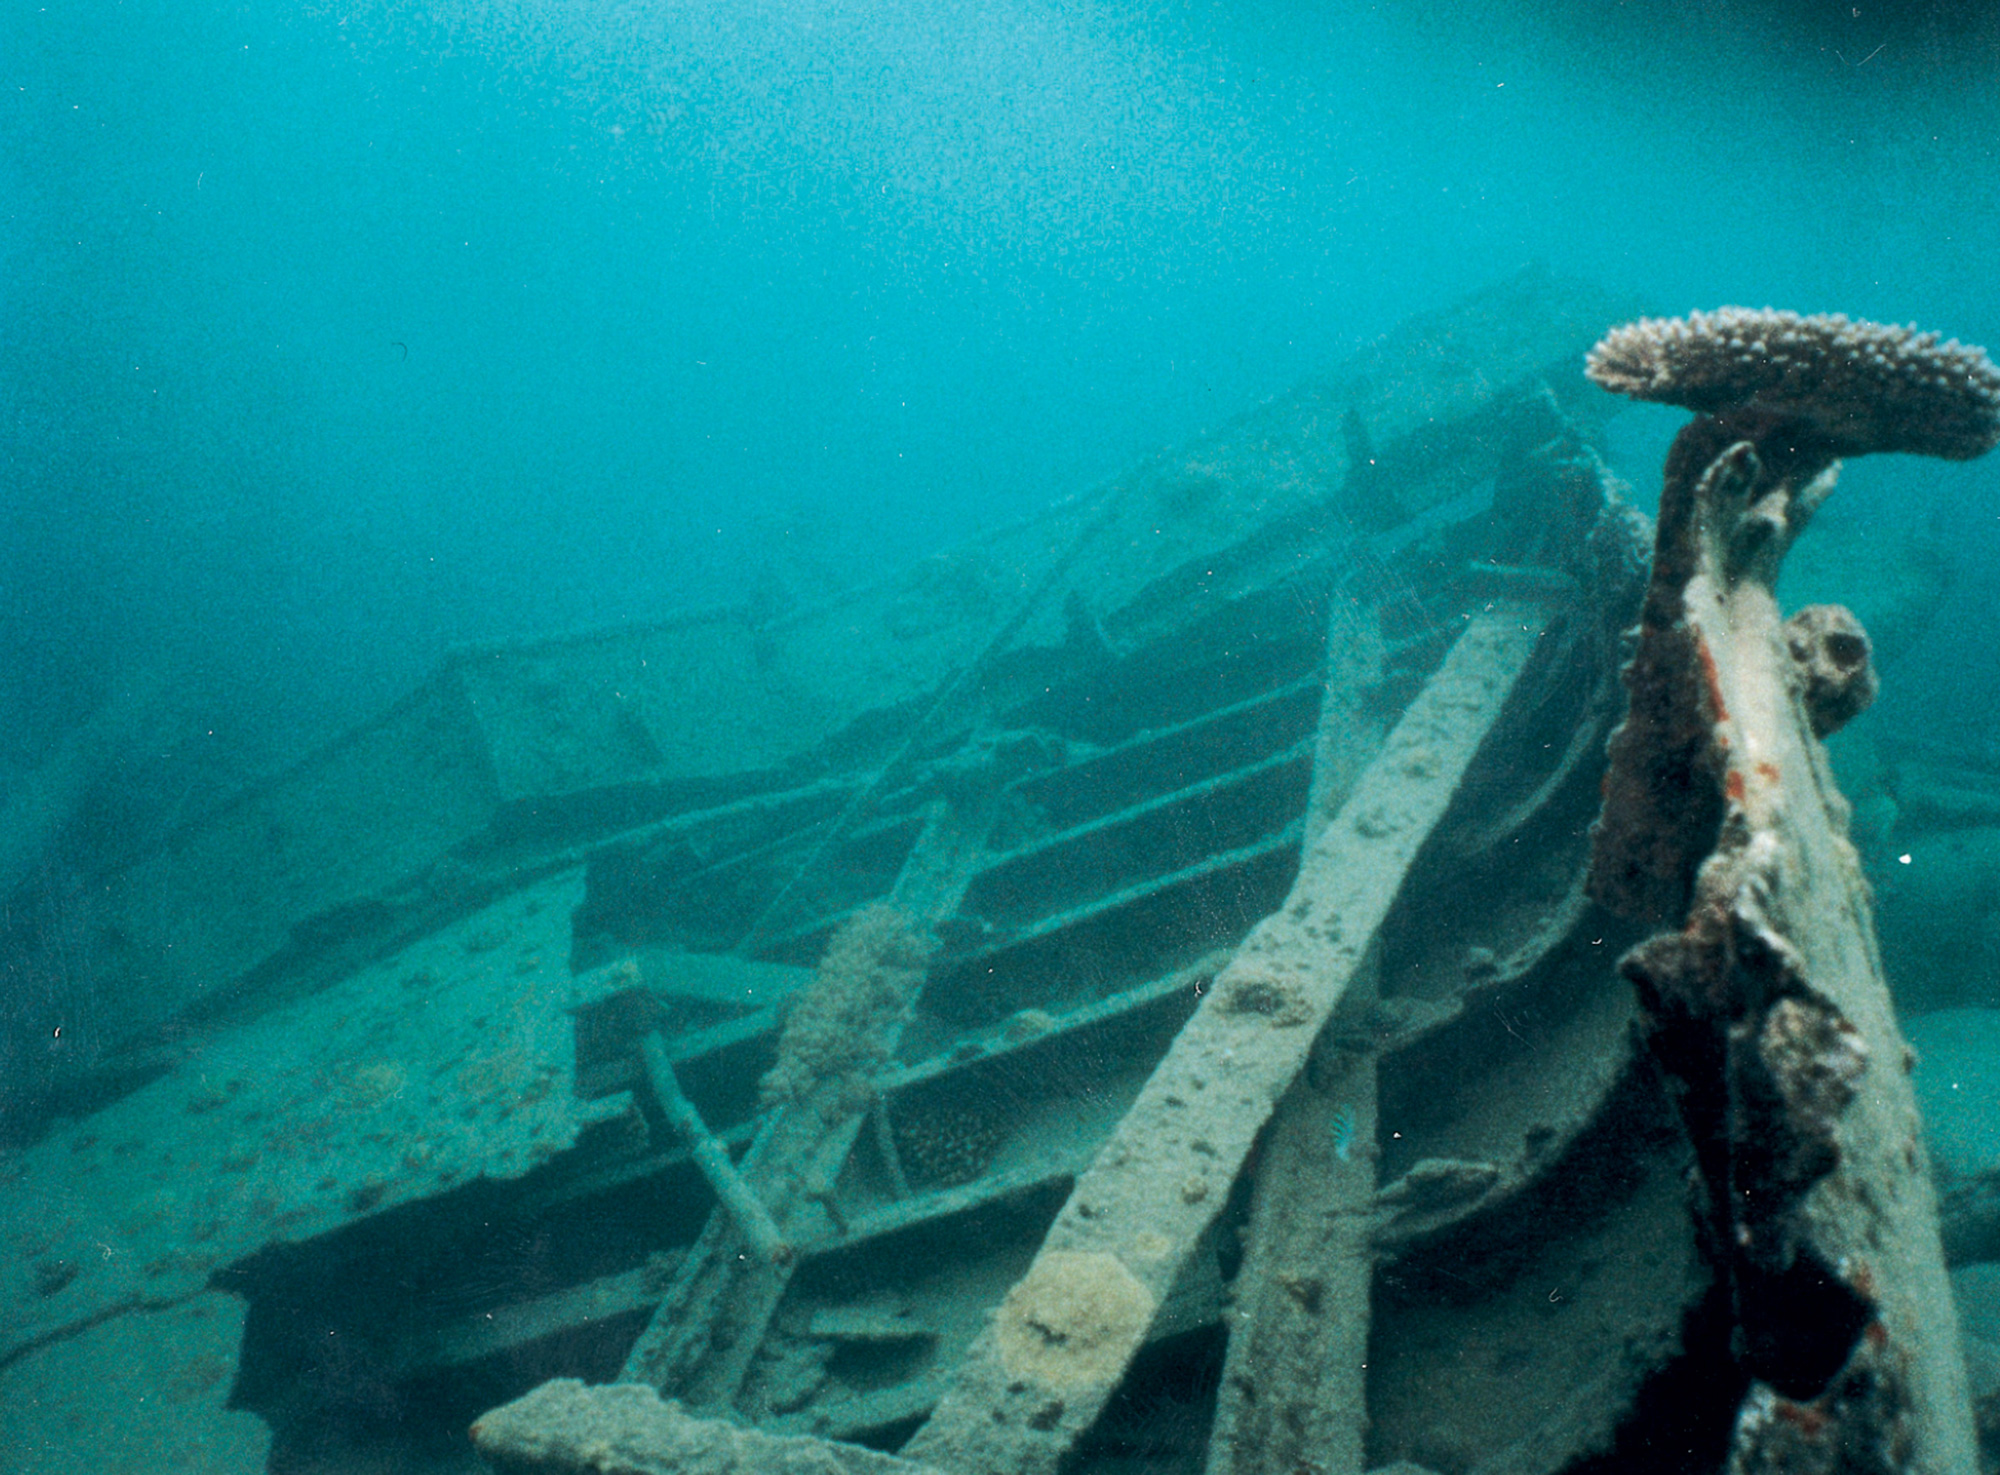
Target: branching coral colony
x=1763 y=1000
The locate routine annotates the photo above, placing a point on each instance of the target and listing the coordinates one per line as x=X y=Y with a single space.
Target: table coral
x=1855 y=386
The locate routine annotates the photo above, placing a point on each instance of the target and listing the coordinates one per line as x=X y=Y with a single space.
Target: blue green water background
x=338 y=333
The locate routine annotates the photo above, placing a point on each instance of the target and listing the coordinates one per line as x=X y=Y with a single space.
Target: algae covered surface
x=446 y=1063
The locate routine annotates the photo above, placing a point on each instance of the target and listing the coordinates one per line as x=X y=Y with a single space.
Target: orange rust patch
x=1768 y=772
x=1807 y=1418
x=1712 y=677
x=1733 y=786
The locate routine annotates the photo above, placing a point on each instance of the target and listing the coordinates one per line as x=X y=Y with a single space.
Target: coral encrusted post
x=1763 y=999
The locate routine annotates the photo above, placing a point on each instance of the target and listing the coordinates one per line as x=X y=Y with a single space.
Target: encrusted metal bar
x=1221 y=861
x=1061 y=1340
x=1294 y=1386
x=715 y=1315
x=1294 y=1392
x=1024 y=881
x=753 y=1220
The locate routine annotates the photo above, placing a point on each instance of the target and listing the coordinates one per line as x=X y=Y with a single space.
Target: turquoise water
x=345 y=332
x=375 y=353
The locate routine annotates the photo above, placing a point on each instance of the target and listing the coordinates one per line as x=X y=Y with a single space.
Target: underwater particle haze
x=360 y=330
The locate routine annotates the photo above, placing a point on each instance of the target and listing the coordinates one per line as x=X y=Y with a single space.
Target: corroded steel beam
x=1037 y=1378
x=1764 y=1000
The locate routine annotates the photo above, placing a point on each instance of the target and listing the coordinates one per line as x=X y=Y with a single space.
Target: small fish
x=1345 y=1125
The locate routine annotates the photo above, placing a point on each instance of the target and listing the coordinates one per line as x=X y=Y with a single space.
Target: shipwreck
x=1338 y=951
